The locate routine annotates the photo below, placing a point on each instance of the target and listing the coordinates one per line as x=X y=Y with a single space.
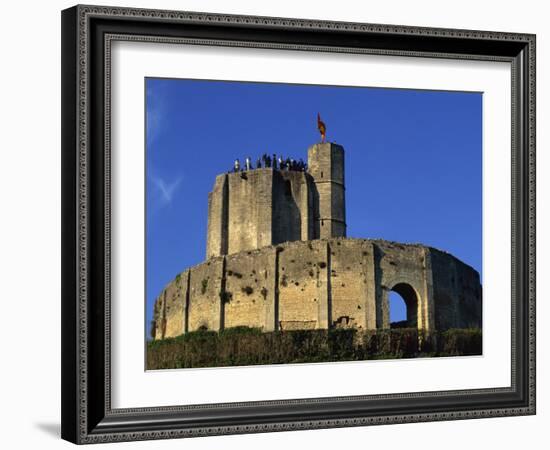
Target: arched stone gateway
x=410 y=299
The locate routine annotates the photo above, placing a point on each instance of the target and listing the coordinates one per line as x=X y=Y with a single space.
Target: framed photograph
x=267 y=222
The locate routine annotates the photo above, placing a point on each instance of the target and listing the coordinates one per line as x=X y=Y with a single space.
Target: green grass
x=242 y=346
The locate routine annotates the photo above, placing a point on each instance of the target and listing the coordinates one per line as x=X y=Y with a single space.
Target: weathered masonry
x=320 y=284
x=255 y=208
x=278 y=258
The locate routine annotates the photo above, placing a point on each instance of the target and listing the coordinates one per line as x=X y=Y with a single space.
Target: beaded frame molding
x=87 y=34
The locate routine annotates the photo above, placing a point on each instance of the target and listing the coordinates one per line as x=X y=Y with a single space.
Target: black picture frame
x=87 y=416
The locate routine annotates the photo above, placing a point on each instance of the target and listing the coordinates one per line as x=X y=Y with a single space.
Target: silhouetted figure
x=287 y=163
x=267 y=161
x=274 y=161
x=259 y=164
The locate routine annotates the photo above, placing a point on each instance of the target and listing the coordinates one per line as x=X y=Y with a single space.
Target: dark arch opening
x=403 y=306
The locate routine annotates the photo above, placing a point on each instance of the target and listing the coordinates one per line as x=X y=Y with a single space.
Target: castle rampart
x=338 y=282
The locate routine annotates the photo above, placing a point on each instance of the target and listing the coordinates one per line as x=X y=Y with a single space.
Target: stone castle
x=277 y=257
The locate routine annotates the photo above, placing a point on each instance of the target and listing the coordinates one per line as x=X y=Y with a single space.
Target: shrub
x=248 y=346
x=460 y=342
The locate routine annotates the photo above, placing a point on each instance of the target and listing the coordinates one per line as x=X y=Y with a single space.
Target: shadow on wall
x=287 y=218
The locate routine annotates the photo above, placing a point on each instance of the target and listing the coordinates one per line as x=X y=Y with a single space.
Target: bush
x=341 y=344
x=239 y=346
x=460 y=342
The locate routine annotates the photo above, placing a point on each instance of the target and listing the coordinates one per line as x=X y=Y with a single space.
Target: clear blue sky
x=413 y=161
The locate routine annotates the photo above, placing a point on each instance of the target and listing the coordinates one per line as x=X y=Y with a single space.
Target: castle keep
x=256 y=208
x=278 y=258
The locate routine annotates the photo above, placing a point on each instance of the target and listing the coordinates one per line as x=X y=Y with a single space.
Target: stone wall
x=253 y=209
x=323 y=283
x=250 y=289
x=158 y=328
x=401 y=268
x=250 y=210
x=457 y=292
x=218 y=210
x=292 y=206
x=205 y=295
x=352 y=284
x=303 y=285
x=175 y=294
x=256 y=208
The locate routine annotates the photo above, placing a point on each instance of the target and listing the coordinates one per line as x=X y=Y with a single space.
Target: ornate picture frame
x=88 y=33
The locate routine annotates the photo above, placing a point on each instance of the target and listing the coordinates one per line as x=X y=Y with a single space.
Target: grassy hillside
x=242 y=346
